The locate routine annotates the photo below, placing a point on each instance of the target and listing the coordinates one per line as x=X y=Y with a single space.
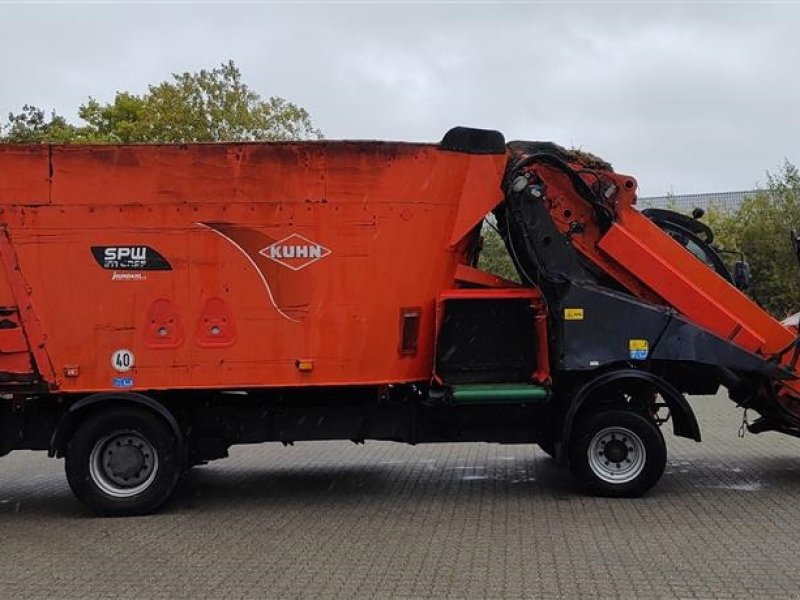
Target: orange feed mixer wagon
x=160 y=303
x=219 y=266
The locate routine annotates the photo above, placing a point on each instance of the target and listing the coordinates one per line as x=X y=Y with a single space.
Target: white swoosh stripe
x=255 y=266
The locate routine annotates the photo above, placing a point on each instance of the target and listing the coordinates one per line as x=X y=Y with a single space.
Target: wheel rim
x=617 y=455
x=123 y=464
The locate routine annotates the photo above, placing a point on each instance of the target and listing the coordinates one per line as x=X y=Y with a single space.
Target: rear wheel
x=123 y=461
x=617 y=453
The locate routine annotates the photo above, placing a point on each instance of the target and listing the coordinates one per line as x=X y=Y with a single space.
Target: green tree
x=209 y=105
x=33 y=126
x=494 y=257
x=760 y=229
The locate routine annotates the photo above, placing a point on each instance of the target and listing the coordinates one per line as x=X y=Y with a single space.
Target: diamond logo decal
x=295 y=252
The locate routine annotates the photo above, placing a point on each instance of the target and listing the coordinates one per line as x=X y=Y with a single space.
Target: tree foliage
x=494 y=257
x=209 y=105
x=33 y=126
x=760 y=229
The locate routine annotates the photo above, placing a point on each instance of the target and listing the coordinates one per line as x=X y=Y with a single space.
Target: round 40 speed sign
x=122 y=360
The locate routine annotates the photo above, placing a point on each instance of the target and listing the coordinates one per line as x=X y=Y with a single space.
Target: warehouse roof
x=686 y=202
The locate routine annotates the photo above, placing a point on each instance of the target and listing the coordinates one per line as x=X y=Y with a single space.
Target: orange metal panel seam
x=31 y=325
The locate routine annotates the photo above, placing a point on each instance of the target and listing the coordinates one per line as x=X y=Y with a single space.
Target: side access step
x=499 y=393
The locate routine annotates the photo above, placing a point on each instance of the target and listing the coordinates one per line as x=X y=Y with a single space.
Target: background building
x=686 y=202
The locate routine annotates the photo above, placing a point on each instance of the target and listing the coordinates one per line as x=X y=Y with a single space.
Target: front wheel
x=123 y=461
x=617 y=453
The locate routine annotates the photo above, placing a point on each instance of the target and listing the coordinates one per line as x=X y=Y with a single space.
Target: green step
x=499 y=393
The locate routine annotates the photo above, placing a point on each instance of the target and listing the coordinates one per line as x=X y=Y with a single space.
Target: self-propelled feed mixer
x=160 y=303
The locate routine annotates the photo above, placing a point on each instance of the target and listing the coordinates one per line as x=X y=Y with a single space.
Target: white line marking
x=255 y=266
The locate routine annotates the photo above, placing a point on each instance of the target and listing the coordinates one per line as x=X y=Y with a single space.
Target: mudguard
x=684 y=422
x=71 y=418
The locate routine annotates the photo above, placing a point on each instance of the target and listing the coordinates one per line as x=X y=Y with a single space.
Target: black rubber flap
x=474 y=141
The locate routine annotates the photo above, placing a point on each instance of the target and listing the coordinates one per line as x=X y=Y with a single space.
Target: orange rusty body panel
x=26 y=175
x=275 y=254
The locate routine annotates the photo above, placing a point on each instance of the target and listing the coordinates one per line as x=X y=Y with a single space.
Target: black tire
x=628 y=453
x=123 y=461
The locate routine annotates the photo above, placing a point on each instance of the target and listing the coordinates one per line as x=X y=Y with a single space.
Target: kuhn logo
x=295 y=252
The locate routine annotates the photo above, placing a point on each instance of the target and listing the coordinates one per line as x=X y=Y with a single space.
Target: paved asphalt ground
x=322 y=520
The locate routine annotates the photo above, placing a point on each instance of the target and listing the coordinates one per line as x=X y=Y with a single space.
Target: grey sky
x=688 y=98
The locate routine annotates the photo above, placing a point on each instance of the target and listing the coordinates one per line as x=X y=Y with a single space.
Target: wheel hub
x=617 y=455
x=615 y=451
x=123 y=464
x=127 y=462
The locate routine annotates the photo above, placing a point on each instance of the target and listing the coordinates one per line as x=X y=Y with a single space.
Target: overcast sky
x=687 y=98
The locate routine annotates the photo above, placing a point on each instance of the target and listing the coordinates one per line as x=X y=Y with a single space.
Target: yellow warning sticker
x=573 y=314
x=639 y=349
